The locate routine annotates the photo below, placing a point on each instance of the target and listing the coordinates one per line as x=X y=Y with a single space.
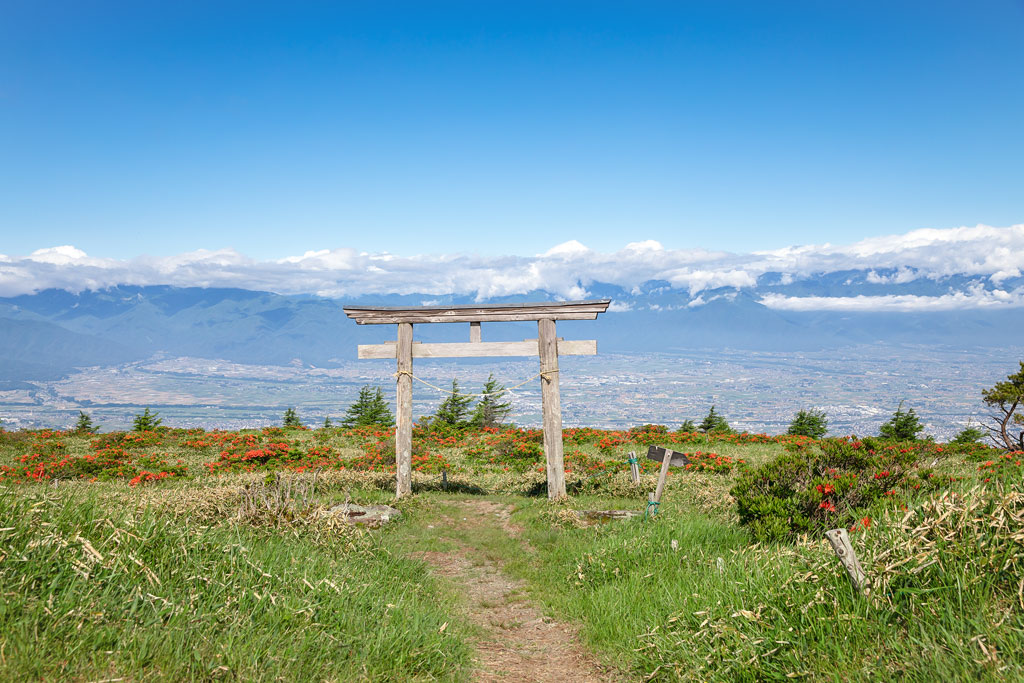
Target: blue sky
x=157 y=128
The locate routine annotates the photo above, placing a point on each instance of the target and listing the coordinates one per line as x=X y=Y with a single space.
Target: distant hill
x=38 y=349
x=46 y=334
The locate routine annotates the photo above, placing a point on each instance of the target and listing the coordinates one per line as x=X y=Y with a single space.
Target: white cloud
x=567 y=250
x=58 y=255
x=699 y=280
x=901 y=276
x=972 y=299
x=569 y=270
x=981 y=250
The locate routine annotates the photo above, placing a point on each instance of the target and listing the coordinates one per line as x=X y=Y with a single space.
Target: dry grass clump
x=279 y=499
x=975 y=535
x=204 y=504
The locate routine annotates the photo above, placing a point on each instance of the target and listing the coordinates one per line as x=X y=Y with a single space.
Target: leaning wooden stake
x=840 y=541
x=551 y=405
x=403 y=430
x=662 y=476
x=634 y=468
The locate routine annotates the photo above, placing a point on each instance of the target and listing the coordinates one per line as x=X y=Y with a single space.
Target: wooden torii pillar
x=548 y=347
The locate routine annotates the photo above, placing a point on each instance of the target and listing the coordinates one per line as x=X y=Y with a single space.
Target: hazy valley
x=756 y=392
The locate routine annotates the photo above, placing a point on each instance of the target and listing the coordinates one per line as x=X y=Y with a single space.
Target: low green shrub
x=829 y=484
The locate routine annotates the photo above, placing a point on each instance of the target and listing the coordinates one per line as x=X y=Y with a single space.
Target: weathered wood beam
x=568 y=347
x=567 y=310
x=403 y=427
x=551 y=406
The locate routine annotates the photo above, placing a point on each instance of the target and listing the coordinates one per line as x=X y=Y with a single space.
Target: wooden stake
x=662 y=476
x=551 y=403
x=634 y=468
x=840 y=541
x=403 y=431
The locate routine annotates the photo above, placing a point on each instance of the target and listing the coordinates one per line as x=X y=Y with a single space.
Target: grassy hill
x=185 y=554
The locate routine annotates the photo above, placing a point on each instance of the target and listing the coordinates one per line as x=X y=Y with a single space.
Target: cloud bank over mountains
x=964 y=268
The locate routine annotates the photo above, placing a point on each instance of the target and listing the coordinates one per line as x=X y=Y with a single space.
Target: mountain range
x=48 y=333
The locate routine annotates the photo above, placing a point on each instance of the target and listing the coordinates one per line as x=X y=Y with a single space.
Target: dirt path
x=518 y=643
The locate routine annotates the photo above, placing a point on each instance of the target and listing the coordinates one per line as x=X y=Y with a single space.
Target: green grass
x=764 y=613
x=167 y=581
x=91 y=591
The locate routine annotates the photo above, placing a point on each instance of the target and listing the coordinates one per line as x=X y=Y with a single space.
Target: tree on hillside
x=688 y=426
x=146 y=421
x=369 y=409
x=454 y=410
x=491 y=410
x=902 y=426
x=327 y=422
x=84 y=424
x=968 y=435
x=812 y=423
x=291 y=418
x=1007 y=397
x=714 y=423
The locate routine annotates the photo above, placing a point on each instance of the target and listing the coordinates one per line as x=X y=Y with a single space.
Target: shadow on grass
x=449 y=486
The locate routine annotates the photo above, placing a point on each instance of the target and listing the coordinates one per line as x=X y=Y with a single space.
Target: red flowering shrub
x=106 y=463
x=379 y=456
x=1006 y=467
x=828 y=485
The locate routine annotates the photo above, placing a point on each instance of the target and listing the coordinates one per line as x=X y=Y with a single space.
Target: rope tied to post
x=650 y=504
x=400 y=373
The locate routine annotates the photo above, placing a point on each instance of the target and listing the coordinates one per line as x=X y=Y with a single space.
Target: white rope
x=545 y=374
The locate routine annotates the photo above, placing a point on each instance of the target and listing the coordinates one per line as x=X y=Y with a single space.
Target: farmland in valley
x=757 y=391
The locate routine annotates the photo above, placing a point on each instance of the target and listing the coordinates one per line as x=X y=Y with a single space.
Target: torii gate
x=547 y=346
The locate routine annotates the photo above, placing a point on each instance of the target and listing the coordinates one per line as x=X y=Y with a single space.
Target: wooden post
x=634 y=468
x=662 y=476
x=551 y=404
x=474 y=333
x=403 y=431
x=840 y=541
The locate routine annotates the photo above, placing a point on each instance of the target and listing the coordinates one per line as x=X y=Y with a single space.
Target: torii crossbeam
x=547 y=346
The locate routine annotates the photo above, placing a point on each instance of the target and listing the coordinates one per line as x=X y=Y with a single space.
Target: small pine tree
x=968 y=435
x=902 y=426
x=491 y=410
x=714 y=423
x=146 y=421
x=454 y=410
x=370 y=409
x=688 y=426
x=291 y=418
x=327 y=422
x=812 y=423
x=84 y=424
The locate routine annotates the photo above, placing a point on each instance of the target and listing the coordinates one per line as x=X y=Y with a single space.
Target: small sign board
x=658 y=454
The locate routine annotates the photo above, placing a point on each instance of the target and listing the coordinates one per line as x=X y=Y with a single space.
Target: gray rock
x=369 y=515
